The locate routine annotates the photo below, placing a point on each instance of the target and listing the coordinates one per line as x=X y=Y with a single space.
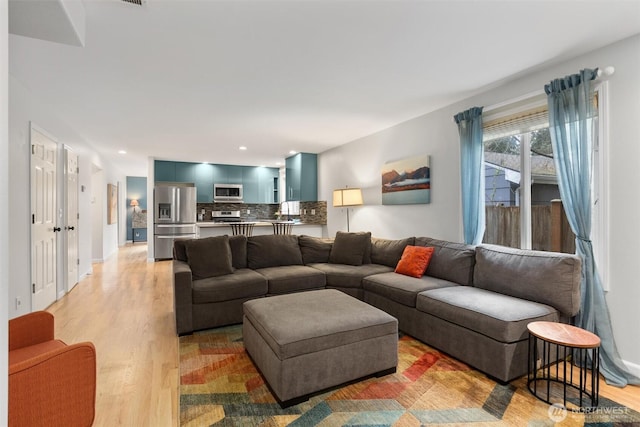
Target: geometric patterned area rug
x=220 y=386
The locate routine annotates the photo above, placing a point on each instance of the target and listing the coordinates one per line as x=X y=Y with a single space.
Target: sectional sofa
x=471 y=302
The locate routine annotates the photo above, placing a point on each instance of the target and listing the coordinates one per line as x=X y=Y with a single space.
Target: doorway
x=44 y=227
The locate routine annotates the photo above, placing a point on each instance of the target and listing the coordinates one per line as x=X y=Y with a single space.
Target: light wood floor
x=126 y=309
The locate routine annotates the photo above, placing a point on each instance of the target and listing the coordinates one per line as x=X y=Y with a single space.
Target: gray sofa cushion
x=243 y=283
x=450 y=261
x=238 y=245
x=349 y=276
x=546 y=277
x=292 y=278
x=501 y=317
x=342 y=320
x=272 y=251
x=179 y=250
x=350 y=248
x=400 y=288
x=314 y=249
x=388 y=252
x=209 y=257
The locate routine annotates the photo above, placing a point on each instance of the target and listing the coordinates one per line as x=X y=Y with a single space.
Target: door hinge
x=78 y=261
x=33 y=149
x=33 y=218
x=33 y=288
x=77 y=216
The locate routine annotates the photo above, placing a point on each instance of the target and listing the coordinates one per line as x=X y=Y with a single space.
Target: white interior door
x=44 y=228
x=71 y=227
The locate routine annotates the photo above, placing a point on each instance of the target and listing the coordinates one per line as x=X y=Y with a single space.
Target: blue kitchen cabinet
x=184 y=171
x=164 y=171
x=234 y=174
x=203 y=178
x=250 y=181
x=302 y=177
x=267 y=184
x=258 y=182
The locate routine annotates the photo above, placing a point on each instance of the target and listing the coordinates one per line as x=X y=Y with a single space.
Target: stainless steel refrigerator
x=174 y=217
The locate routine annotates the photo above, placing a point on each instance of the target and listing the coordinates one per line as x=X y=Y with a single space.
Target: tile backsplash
x=310 y=212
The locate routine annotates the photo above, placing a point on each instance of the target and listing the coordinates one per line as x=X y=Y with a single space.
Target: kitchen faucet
x=288 y=209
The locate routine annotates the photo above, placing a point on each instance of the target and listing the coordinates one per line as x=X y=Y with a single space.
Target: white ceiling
x=194 y=80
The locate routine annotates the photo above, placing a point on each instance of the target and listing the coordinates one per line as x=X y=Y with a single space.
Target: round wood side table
x=551 y=382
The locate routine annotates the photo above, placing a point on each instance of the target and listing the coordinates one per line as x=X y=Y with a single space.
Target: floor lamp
x=345 y=197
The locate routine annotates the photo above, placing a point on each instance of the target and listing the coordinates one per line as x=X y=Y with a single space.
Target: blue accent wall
x=136 y=189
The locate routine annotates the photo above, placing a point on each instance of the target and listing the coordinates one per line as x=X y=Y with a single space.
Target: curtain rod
x=605 y=72
x=602 y=74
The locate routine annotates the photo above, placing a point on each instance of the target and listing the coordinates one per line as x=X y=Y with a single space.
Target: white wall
x=359 y=163
x=84 y=210
x=25 y=107
x=4 y=218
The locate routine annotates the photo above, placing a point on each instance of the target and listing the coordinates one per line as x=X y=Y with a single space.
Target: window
x=522 y=198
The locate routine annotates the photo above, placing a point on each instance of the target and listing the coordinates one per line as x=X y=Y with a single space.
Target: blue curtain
x=570 y=124
x=472 y=173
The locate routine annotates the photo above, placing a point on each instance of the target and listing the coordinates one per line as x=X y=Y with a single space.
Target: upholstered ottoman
x=310 y=341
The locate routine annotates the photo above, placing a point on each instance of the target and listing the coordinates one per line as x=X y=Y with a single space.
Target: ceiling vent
x=136 y=2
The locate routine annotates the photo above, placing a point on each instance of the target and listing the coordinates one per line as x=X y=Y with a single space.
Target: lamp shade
x=347 y=197
x=134 y=202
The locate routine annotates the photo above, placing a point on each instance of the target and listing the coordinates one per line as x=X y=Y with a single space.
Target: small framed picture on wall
x=112 y=204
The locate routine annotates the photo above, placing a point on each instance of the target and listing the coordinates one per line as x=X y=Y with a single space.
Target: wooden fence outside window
x=550 y=230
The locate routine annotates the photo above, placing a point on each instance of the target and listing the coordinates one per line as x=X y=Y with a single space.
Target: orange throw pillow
x=414 y=261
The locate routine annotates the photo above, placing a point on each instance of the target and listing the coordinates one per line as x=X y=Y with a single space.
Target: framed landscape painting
x=407 y=181
x=112 y=204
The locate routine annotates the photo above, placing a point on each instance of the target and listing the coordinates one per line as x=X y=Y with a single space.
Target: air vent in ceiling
x=137 y=2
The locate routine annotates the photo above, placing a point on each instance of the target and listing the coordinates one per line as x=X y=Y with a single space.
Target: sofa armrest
x=55 y=388
x=182 y=297
x=30 y=329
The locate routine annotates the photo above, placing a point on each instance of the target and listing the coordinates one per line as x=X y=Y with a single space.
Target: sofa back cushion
x=179 y=250
x=238 y=246
x=209 y=257
x=315 y=249
x=546 y=277
x=273 y=250
x=388 y=252
x=350 y=248
x=450 y=261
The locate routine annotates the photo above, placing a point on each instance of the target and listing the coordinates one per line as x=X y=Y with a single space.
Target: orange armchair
x=50 y=383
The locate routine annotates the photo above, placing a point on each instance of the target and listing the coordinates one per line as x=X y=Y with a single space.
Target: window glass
x=524 y=219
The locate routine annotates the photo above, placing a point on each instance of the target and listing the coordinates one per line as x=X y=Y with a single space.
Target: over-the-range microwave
x=227 y=193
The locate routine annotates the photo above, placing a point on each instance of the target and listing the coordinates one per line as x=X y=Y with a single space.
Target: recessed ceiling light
x=122 y=152
x=292 y=152
x=242 y=147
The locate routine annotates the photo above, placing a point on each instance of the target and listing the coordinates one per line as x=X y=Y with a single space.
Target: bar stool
x=281 y=227
x=245 y=228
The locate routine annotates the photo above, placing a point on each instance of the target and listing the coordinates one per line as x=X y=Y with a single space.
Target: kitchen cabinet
x=258 y=182
x=164 y=171
x=302 y=177
x=250 y=182
x=232 y=174
x=184 y=172
x=203 y=179
x=268 y=185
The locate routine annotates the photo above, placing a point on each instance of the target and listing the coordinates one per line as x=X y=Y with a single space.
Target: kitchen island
x=211 y=228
